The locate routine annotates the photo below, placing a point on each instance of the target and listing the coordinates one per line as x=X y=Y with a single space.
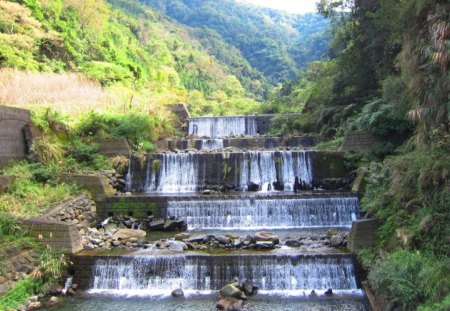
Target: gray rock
x=89 y=246
x=222 y=239
x=198 y=239
x=231 y=290
x=264 y=245
x=266 y=236
x=177 y=293
x=170 y=225
x=177 y=246
x=182 y=236
x=335 y=240
x=293 y=243
x=229 y=304
x=156 y=224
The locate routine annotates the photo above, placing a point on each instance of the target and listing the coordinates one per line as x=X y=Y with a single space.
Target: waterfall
x=265 y=213
x=177 y=173
x=189 y=172
x=211 y=144
x=67 y=285
x=266 y=167
x=283 y=274
x=219 y=127
x=128 y=177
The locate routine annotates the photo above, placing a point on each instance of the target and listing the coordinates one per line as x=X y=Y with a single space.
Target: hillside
x=134 y=53
x=277 y=44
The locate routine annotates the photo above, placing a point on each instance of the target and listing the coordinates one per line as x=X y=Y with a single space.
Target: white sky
x=292 y=6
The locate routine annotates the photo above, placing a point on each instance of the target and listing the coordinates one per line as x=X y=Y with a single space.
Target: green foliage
x=277 y=44
x=106 y=73
x=21 y=291
x=138 y=129
x=29 y=197
x=411 y=278
x=9 y=225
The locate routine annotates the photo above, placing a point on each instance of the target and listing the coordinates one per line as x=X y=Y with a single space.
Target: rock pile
x=80 y=210
x=233 y=294
x=261 y=240
x=116 y=180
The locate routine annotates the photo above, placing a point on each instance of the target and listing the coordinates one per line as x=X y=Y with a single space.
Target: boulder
x=266 y=236
x=33 y=305
x=293 y=243
x=329 y=292
x=171 y=225
x=278 y=186
x=335 y=240
x=177 y=246
x=197 y=239
x=127 y=234
x=53 y=301
x=88 y=246
x=223 y=239
x=231 y=290
x=177 y=293
x=253 y=187
x=156 y=224
x=264 y=245
x=182 y=236
x=229 y=304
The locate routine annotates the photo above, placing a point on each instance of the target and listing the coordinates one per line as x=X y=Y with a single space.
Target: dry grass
x=69 y=93
x=74 y=94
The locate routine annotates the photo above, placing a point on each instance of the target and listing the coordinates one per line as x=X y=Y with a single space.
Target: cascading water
x=208 y=144
x=265 y=213
x=278 y=274
x=189 y=172
x=219 y=127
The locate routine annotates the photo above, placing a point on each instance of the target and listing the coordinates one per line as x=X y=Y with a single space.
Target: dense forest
x=389 y=76
x=275 y=43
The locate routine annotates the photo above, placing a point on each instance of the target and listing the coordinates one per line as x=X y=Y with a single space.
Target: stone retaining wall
x=358 y=141
x=362 y=234
x=12 y=139
x=113 y=147
x=59 y=227
x=97 y=185
x=261 y=142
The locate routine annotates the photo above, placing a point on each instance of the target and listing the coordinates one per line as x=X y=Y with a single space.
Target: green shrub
x=21 y=291
x=106 y=73
x=410 y=279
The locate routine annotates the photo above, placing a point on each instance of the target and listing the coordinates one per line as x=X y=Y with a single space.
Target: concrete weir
x=192 y=172
x=144 y=273
x=232 y=194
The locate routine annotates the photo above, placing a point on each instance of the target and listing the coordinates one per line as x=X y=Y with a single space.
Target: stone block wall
x=258 y=142
x=59 y=227
x=13 y=145
x=97 y=185
x=358 y=141
x=362 y=234
x=113 y=147
x=60 y=235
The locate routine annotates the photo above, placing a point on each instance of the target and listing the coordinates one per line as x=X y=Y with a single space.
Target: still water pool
x=207 y=303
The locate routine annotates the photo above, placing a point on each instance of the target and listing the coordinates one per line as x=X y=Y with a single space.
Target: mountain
x=275 y=43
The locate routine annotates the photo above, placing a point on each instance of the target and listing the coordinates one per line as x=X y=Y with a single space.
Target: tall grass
x=71 y=93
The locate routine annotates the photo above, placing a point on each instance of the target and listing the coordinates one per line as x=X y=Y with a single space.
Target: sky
x=292 y=6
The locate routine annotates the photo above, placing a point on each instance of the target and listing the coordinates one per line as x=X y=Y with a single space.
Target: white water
x=180 y=172
x=67 y=285
x=209 y=144
x=267 y=214
x=220 y=127
x=276 y=274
